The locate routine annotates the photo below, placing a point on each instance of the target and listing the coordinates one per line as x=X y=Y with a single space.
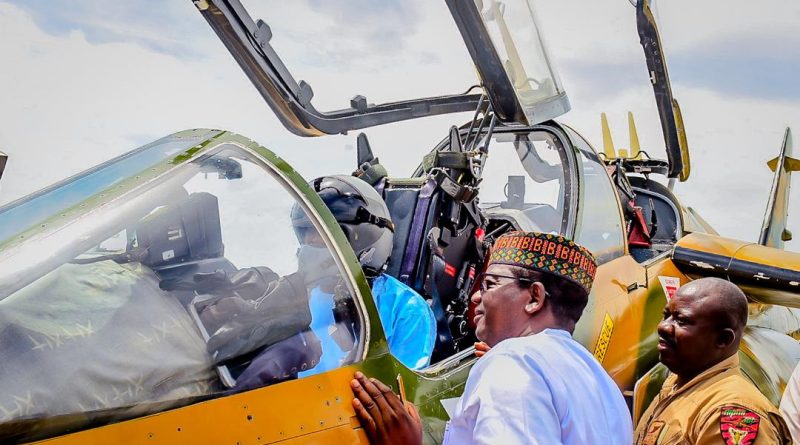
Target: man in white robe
x=536 y=385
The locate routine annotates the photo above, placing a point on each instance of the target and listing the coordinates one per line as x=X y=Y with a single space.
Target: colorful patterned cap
x=546 y=253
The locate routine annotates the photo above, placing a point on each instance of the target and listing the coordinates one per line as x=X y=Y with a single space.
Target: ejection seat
x=438 y=238
x=662 y=216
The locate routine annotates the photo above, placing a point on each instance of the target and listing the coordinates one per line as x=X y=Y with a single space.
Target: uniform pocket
x=674 y=438
x=661 y=433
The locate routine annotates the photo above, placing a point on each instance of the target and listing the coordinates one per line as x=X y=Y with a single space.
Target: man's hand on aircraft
x=481 y=348
x=382 y=414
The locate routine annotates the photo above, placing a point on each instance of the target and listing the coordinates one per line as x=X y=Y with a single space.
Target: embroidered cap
x=546 y=253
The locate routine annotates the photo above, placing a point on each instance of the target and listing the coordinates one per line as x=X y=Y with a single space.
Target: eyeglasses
x=485 y=286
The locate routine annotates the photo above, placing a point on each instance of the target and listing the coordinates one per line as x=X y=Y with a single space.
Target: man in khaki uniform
x=706 y=399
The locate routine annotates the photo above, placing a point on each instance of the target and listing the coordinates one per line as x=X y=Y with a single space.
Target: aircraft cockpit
x=144 y=285
x=539 y=181
x=547 y=178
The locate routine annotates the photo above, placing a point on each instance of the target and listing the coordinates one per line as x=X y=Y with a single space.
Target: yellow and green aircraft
x=113 y=282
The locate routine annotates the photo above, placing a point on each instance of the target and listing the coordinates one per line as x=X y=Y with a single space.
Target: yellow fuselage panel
x=741 y=250
x=314 y=409
x=619 y=324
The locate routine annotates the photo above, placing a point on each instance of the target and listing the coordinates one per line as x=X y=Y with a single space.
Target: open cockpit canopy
x=502 y=38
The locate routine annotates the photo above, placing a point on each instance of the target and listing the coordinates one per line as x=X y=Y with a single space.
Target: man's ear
x=725 y=338
x=537 y=298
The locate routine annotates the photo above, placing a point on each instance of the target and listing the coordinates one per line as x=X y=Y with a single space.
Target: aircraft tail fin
x=634 y=137
x=634 y=152
x=774 y=231
x=608 y=143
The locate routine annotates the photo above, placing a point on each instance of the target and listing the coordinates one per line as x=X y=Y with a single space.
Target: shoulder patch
x=738 y=425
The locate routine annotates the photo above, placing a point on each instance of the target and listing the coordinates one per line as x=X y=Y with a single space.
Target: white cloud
x=687 y=22
x=74 y=104
x=155 y=24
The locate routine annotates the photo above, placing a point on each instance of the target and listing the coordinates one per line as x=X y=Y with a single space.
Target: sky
x=88 y=80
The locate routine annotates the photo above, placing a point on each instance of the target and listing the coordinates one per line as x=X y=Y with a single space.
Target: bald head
x=703 y=325
x=721 y=300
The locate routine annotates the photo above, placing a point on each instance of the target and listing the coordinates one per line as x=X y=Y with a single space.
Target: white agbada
x=544 y=389
x=790 y=405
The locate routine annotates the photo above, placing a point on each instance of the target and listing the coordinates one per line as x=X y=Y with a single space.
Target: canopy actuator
x=3 y=161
